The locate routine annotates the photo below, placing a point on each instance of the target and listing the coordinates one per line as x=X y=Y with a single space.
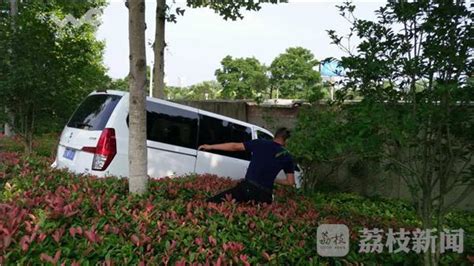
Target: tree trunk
x=159 y=50
x=29 y=132
x=13 y=7
x=8 y=129
x=137 y=150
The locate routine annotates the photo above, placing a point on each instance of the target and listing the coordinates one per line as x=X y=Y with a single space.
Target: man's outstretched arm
x=231 y=146
x=289 y=181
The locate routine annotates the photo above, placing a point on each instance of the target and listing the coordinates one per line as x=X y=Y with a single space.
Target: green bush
x=51 y=216
x=11 y=144
x=83 y=219
x=326 y=136
x=44 y=145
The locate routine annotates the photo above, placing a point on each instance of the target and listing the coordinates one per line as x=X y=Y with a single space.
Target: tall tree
x=13 y=8
x=412 y=69
x=226 y=9
x=159 y=50
x=293 y=73
x=9 y=115
x=242 y=78
x=41 y=99
x=206 y=90
x=137 y=150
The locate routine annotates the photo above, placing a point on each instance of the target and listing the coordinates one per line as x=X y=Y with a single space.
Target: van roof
x=189 y=108
x=113 y=92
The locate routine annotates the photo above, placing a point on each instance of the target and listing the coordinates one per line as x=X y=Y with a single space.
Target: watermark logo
x=419 y=241
x=333 y=240
x=90 y=17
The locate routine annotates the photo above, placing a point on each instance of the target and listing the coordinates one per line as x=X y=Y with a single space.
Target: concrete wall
x=369 y=180
x=272 y=117
x=234 y=109
x=269 y=117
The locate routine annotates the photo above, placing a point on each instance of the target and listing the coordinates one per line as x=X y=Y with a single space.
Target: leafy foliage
x=47 y=70
x=226 y=9
x=293 y=74
x=412 y=69
x=319 y=144
x=327 y=135
x=206 y=90
x=229 y=10
x=92 y=220
x=242 y=78
x=54 y=216
x=120 y=84
x=57 y=217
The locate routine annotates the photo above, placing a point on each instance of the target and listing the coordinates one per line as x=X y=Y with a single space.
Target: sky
x=200 y=39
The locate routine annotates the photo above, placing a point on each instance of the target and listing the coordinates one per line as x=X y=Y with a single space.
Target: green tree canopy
x=122 y=84
x=47 y=69
x=206 y=90
x=293 y=74
x=242 y=78
x=228 y=10
x=412 y=70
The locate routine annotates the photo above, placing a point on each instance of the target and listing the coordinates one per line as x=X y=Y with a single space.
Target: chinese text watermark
x=418 y=241
x=333 y=240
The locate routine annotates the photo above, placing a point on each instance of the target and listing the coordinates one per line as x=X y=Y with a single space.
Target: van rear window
x=94 y=112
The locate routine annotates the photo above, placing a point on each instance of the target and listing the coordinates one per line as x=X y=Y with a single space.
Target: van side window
x=263 y=135
x=213 y=131
x=171 y=125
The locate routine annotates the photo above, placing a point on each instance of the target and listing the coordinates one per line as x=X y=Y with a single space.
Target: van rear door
x=83 y=130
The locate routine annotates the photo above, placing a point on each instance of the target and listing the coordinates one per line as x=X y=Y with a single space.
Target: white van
x=95 y=140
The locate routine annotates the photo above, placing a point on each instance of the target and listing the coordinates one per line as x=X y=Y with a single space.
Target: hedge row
x=51 y=216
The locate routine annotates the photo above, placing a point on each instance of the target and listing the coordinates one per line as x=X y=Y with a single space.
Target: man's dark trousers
x=245 y=191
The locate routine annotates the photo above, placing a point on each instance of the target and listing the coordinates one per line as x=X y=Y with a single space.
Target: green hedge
x=57 y=217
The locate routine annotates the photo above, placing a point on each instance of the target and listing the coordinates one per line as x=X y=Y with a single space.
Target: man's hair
x=283 y=133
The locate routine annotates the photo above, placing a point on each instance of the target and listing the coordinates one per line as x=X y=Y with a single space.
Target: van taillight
x=105 y=151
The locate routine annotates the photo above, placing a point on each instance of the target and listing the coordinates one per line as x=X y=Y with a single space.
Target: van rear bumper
x=82 y=164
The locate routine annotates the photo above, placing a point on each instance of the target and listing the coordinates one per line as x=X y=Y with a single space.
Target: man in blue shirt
x=269 y=157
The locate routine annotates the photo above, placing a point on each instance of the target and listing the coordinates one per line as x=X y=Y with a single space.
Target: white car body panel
x=169 y=160
x=221 y=165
